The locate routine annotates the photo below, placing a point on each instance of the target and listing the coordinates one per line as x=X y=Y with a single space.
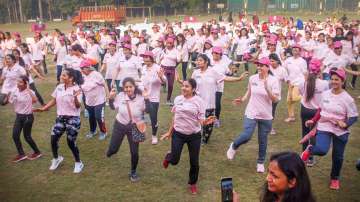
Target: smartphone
x=226 y=189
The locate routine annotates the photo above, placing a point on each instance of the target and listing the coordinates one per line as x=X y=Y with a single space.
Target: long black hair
x=204 y=57
x=76 y=75
x=310 y=86
x=293 y=167
x=132 y=81
x=193 y=84
x=21 y=60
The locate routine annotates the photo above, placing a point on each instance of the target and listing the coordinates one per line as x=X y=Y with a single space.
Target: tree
x=22 y=18
x=40 y=9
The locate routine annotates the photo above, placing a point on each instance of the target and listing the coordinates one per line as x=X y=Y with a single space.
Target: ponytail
x=310 y=86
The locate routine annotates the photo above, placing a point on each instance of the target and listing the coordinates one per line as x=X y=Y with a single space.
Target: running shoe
x=78 y=167
x=335 y=184
x=231 y=152
x=34 y=156
x=306 y=153
x=102 y=136
x=193 y=189
x=260 y=168
x=56 y=162
x=19 y=158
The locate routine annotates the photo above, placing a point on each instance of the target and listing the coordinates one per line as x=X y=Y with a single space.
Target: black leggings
x=44 y=64
x=218 y=96
x=70 y=125
x=354 y=68
x=118 y=133
x=193 y=142
x=307 y=114
x=207 y=129
x=184 y=68
x=95 y=116
x=153 y=112
x=38 y=96
x=24 y=122
x=170 y=77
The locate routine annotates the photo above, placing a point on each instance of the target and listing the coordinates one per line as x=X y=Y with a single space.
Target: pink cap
x=148 y=54
x=86 y=63
x=17 y=34
x=61 y=38
x=272 y=42
x=337 y=44
x=127 y=46
x=217 y=50
x=208 y=41
x=170 y=40
x=263 y=61
x=340 y=72
x=315 y=65
x=214 y=31
x=113 y=43
x=297 y=46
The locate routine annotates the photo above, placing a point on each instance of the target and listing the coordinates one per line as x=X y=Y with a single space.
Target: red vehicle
x=102 y=14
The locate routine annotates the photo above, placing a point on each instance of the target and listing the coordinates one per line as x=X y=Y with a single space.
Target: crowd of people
x=127 y=70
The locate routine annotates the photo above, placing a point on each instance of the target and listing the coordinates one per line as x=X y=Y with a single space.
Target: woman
x=263 y=90
x=10 y=73
x=60 y=52
x=337 y=113
x=74 y=58
x=183 y=49
x=23 y=99
x=207 y=80
x=67 y=98
x=242 y=42
x=220 y=63
x=185 y=128
x=130 y=103
x=348 y=49
x=168 y=62
x=95 y=90
x=94 y=51
x=152 y=79
x=110 y=63
x=311 y=91
x=280 y=74
x=26 y=63
x=287 y=180
x=296 y=68
x=37 y=49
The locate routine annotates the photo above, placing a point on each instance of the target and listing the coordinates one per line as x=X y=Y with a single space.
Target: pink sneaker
x=193 y=189
x=335 y=184
x=306 y=154
x=19 y=158
x=34 y=156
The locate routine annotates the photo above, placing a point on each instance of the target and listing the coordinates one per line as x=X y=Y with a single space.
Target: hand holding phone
x=226 y=190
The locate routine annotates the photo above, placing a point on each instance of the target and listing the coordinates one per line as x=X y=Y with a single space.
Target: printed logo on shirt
x=254 y=84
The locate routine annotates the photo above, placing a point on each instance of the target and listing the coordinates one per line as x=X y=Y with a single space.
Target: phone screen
x=226 y=190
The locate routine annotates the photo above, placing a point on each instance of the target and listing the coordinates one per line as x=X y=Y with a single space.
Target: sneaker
x=134 y=177
x=306 y=153
x=217 y=123
x=56 y=162
x=335 y=184
x=90 y=135
x=78 y=167
x=86 y=113
x=19 y=158
x=107 y=104
x=169 y=103
x=231 y=152
x=310 y=162
x=154 y=140
x=290 y=119
x=34 y=156
x=272 y=132
x=102 y=136
x=351 y=86
x=260 y=168
x=165 y=161
x=193 y=189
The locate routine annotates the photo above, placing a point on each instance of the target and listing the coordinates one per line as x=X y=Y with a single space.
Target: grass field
x=106 y=179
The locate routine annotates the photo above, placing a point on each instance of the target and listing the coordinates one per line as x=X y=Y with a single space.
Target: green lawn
x=106 y=179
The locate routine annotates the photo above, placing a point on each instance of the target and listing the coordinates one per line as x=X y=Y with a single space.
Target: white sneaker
x=56 y=162
x=260 y=168
x=272 y=132
x=78 y=167
x=154 y=140
x=231 y=152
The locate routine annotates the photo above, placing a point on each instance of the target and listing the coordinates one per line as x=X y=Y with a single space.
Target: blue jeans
x=264 y=128
x=58 y=72
x=323 y=141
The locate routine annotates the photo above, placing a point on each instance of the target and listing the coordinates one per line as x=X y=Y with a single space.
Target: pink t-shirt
x=22 y=101
x=260 y=104
x=151 y=81
x=207 y=83
x=336 y=107
x=65 y=105
x=170 y=57
x=296 y=68
x=137 y=106
x=320 y=87
x=94 y=89
x=222 y=67
x=281 y=74
x=112 y=63
x=188 y=112
x=129 y=67
x=10 y=76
